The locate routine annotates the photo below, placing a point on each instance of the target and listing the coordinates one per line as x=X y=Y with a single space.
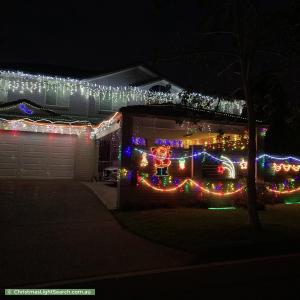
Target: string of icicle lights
x=198 y=154
x=118 y=96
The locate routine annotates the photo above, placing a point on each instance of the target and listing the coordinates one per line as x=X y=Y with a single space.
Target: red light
x=14 y=133
x=220 y=170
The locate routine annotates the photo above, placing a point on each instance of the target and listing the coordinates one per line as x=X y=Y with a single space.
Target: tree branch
x=227 y=67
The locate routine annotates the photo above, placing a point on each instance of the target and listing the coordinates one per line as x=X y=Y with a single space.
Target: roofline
x=141 y=66
x=238 y=119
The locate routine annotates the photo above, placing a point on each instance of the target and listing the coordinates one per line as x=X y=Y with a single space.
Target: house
x=170 y=154
x=53 y=127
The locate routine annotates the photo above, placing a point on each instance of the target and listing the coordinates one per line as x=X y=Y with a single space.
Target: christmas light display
x=25 y=109
x=220 y=169
x=172 y=189
x=161 y=159
x=80 y=128
x=277 y=157
x=216 y=143
x=182 y=164
x=282 y=191
x=117 y=96
x=263 y=131
x=192 y=182
x=243 y=164
x=168 y=142
x=285 y=167
x=228 y=165
x=225 y=143
x=204 y=153
x=144 y=161
x=222 y=208
x=138 y=141
x=195 y=154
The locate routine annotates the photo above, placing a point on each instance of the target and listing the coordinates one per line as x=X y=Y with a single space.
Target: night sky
x=86 y=39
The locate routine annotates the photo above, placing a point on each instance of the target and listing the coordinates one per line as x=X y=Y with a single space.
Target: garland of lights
x=60 y=127
x=286 y=167
x=22 y=82
x=243 y=163
x=282 y=192
x=278 y=158
x=192 y=182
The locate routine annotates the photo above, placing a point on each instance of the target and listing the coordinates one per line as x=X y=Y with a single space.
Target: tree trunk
x=253 y=216
x=246 y=44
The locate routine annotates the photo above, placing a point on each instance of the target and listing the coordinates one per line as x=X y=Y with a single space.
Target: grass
x=218 y=234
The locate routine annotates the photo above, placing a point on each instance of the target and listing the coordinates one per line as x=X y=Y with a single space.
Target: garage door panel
x=8 y=156
x=8 y=172
x=35 y=148
x=34 y=166
x=66 y=156
x=34 y=173
x=61 y=167
x=8 y=165
x=33 y=155
x=34 y=159
x=8 y=147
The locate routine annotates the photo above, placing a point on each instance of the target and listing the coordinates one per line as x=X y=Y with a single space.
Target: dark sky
x=95 y=37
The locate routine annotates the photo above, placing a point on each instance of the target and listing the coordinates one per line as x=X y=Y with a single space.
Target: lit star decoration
x=243 y=164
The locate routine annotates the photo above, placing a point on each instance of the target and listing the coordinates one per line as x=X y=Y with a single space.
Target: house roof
x=181 y=112
x=23 y=108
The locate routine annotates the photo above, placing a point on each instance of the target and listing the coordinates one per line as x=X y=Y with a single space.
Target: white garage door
x=35 y=155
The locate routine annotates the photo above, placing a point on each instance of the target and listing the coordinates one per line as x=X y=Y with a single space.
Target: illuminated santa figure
x=162 y=161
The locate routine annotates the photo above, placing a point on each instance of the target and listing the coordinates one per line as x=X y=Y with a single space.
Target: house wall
x=133 y=194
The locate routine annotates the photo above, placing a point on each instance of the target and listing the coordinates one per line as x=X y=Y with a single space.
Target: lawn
x=218 y=234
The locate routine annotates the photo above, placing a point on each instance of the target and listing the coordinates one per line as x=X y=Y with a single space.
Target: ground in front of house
x=218 y=234
x=54 y=230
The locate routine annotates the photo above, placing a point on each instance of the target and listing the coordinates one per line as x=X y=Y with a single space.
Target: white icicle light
x=22 y=82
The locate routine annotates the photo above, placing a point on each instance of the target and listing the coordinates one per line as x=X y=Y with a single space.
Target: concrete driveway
x=57 y=230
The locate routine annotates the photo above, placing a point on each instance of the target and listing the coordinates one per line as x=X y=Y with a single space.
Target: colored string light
x=222 y=208
x=144 y=181
x=144 y=161
x=60 y=127
x=192 y=182
x=277 y=158
x=263 y=156
x=216 y=193
x=25 y=109
x=283 y=192
x=286 y=167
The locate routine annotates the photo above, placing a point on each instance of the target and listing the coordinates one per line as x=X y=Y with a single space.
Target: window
x=58 y=95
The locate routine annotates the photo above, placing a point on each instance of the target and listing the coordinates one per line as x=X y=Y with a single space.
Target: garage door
x=35 y=155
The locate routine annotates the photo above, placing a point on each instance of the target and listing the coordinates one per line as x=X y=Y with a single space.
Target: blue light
x=25 y=109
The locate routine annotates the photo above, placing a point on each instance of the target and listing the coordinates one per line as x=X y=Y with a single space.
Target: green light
x=291 y=202
x=222 y=208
